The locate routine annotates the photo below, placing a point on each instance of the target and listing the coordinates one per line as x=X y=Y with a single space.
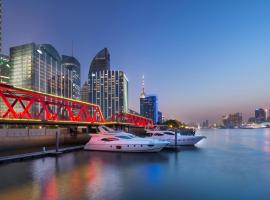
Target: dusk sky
x=202 y=58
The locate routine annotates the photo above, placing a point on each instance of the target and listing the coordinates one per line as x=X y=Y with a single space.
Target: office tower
x=232 y=120
x=260 y=115
x=108 y=88
x=4 y=76
x=101 y=62
x=149 y=107
x=85 y=92
x=4 y=69
x=160 y=121
x=74 y=68
x=205 y=124
x=38 y=67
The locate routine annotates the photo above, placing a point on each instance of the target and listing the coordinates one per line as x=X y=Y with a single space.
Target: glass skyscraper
x=108 y=88
x=85 y=92
x=73 y=65
x=149 y=107
x=38 y=67
x=4 y=69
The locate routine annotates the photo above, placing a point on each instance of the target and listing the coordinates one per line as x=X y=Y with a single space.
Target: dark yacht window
x=169 y=133
x=123 y=137
x=108 y=139
x=159 y=134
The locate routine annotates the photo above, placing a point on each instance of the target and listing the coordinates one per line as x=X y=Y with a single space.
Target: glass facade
x=4 y=69
x=85 y=92
x=109 y=89
x=149 y=107
x=4 y=76
x=74 y=68
x=39 y=68
x=101 y=61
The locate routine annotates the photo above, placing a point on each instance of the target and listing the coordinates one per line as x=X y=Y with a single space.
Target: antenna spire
x=142 y=93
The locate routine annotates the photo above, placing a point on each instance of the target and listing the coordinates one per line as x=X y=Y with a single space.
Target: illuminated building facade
x=74 y=68
x=232 y=120
x=260 y=115
x=4 y=69
x=85 y=92
x=108 y=88
x=149 y=107
x=38 y=67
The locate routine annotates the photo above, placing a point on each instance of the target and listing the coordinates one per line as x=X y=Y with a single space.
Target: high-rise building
x=38 y=67
x=4 y=69
x=101 y=62
x=108 y=88
x=160 y=121
x=260 y=115
x=148 y=105
x=73 y=65
x=232 y=120
x=85 y=92
x=4 y=76
x=205 y=124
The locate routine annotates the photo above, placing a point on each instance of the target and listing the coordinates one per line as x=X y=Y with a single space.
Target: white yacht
x=108 y=139
x=169 y=136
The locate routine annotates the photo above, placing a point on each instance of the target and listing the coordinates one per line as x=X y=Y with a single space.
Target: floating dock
x=39 y=154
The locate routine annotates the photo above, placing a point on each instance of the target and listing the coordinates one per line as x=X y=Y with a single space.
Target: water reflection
x=226 y=161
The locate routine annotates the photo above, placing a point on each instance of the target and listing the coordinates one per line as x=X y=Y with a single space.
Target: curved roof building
x=101 y=61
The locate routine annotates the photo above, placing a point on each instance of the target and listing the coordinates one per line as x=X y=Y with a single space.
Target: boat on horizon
x=108 y=139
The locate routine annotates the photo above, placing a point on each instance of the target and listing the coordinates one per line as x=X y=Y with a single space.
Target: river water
x=229 y=164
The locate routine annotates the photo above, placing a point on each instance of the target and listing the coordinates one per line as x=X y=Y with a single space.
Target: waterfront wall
x=19 y=139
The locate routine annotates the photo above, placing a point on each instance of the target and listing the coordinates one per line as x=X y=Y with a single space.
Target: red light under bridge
x=136 y=120
x=18 y=103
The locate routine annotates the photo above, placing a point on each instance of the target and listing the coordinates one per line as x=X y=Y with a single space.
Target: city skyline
x=195 y=55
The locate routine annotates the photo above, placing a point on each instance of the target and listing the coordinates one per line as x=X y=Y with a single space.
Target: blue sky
x=202 y=58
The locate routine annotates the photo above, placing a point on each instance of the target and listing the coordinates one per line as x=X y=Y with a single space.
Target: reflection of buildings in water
x=80 y=175
x=266 y=146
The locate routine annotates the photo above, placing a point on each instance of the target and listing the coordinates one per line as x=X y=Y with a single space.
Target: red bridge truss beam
x=19 y=103
x=136 y=120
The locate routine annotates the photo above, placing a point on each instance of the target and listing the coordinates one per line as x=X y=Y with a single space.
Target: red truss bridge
x=137 y=120
x=26 y=106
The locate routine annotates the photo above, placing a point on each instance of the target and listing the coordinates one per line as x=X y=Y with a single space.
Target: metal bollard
x=57 y=141
x=175 y=138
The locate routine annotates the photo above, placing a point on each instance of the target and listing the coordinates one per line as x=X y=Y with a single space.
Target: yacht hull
x=125 y=147
x=182 y=140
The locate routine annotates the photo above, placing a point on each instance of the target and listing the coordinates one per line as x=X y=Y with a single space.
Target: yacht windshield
x=168 y=133
x=123 y=137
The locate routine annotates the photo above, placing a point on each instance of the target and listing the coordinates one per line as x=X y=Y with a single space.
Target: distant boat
x=255 y=126
x=108 y=139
